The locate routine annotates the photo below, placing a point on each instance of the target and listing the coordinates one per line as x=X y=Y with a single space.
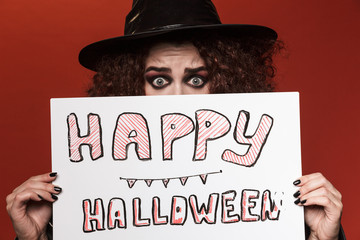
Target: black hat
x=154 y=18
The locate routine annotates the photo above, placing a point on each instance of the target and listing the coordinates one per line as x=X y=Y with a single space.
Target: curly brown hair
x=235 y=64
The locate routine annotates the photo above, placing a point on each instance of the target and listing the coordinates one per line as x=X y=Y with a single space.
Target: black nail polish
x=296 y=194
x=303 y=201
x=40 y=197
x=53 y=174
x=54 y=197
x=297 y=201
x=57 y=189
x=296 y=182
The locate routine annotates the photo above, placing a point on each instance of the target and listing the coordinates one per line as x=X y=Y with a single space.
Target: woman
x=166 y=52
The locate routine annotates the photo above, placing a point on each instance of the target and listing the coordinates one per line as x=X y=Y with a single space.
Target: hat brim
x=92 y=53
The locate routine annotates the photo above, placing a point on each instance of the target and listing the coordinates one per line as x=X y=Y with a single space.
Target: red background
x=40 y=40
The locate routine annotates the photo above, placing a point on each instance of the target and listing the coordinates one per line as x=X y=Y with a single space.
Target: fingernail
x=57 y=189
x=53 y=174
x=40 y=197
x=296 y=194
x=303 y=201
x=296 y=182
x=54 y=197
x=297 y=201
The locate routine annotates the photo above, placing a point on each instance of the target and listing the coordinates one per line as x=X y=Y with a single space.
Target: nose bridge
x=178 y=88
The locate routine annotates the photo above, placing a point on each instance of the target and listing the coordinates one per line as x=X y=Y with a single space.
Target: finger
x=308 y=178
x=314 y=181
x=47 y=177
x=321 y=192
x=32 y=181
x=20 y=200
x=9 y=201
x=49 y=187
x=332 y=210
x=45 y=189
x=47 y=196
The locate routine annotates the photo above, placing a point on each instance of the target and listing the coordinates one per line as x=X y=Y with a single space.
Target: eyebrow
x=163 y=69
x=168 y=70
x=194 y=70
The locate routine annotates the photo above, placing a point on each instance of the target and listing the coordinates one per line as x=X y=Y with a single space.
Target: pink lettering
x=116 y=213
x=247 y=203
x=269 y=210
x=96 y=216
x=131 y=128
x=255 y=142
x=204 y=214
x=92 y=139
x=174 y=126
x=210 y=125
x=178 y=210
x=227 y=208
x=157 y=218
x=138 y=221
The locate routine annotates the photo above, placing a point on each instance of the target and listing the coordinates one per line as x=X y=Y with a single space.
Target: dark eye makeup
x=158 y=81
x=195 y=81
x=195 y=78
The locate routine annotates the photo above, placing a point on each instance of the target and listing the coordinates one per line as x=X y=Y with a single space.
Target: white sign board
x=175 y=167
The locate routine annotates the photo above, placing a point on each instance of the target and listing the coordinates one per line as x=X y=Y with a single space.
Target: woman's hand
x=323 y=206
x=29 y=206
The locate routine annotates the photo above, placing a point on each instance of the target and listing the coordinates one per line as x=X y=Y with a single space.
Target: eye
x=159 y=82
x=196 y=81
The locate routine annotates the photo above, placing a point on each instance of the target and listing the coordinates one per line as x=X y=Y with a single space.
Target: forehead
x=164 y=53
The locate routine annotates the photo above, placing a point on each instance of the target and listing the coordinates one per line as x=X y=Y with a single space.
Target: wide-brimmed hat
x=156 y=18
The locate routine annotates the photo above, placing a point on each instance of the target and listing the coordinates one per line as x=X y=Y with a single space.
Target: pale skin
x=173 y=70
